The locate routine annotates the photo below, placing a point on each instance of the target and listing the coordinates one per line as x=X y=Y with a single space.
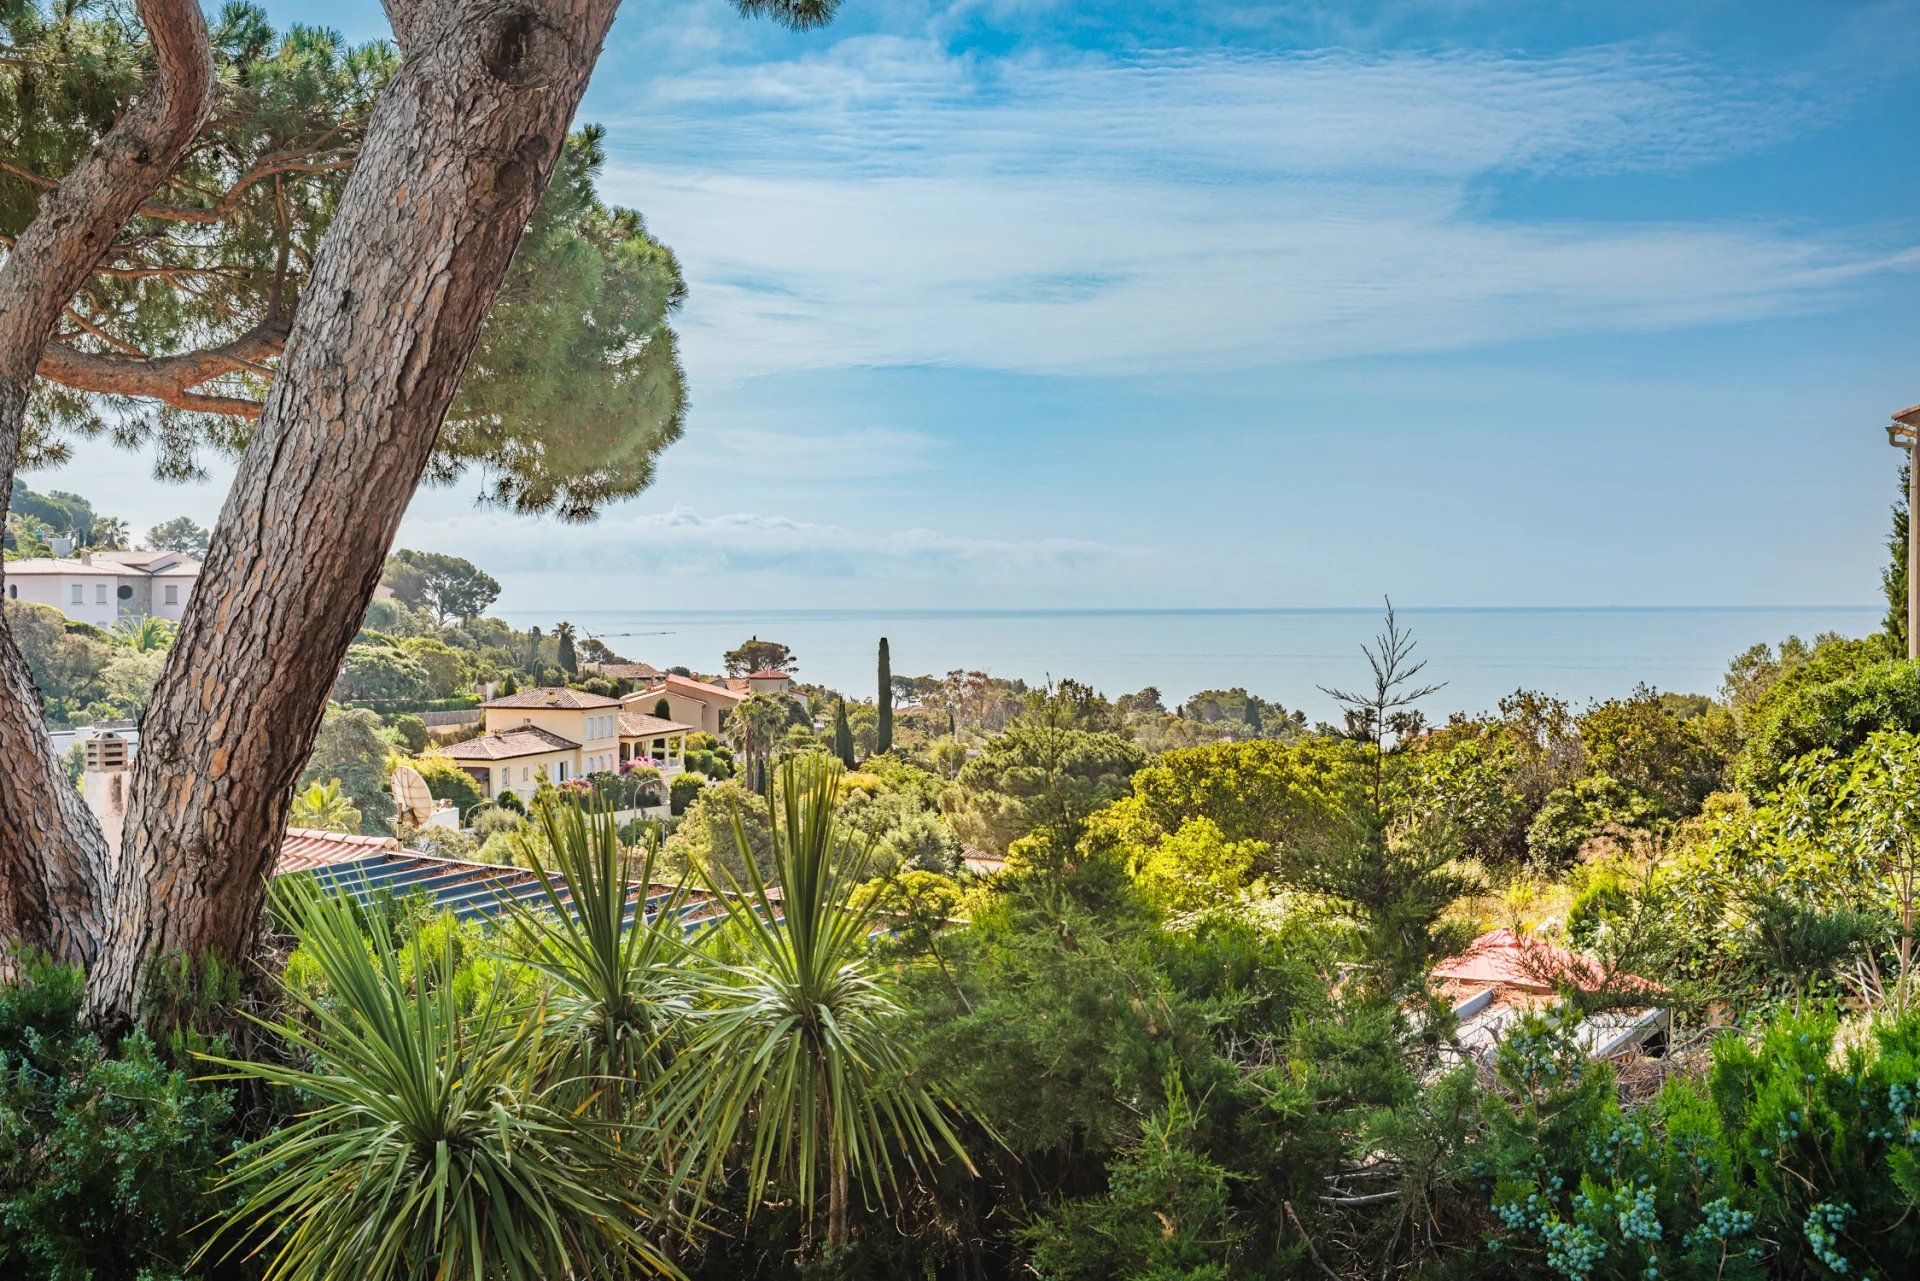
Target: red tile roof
x=500 y=745
x=635 y=725
x=306 y=848
x=684 y=685
x=1503 y=958
x=767 y=674
x=570 y=700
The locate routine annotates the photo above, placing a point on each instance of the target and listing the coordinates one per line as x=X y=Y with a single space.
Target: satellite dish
x=410 y=795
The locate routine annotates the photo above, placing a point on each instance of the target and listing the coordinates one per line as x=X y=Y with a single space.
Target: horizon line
x=1249 y=610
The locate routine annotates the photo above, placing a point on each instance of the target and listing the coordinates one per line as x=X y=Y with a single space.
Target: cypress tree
x=885 y=743
x=842 y=735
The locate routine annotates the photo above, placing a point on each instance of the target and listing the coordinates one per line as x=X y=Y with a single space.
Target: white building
x=104 y=587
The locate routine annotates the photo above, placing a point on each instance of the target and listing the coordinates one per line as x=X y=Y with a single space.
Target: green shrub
x=1167 y=1213
x=496 y=818
x=107 y=1161
x=1792 y=1160
x=448 y=782
x=1603 y=894
x=1836 y=700
x=1571 y=816
x=412 y=731
x=683 y=789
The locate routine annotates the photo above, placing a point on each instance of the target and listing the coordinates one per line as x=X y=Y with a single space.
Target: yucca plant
x=797 y=1054
x=432 y=1144
x=615 y=967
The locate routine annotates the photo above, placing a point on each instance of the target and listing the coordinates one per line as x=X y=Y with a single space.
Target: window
x=99 y=593
x=173 y=594
x=79 y=593
x=526 y=772
x=125 y=592
x=13 y=591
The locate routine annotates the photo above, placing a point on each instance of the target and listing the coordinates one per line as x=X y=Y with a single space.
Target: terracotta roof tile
x=571 y=700
x=500 y=745
x=306 y=848
x=685 y=685
x=635 y=725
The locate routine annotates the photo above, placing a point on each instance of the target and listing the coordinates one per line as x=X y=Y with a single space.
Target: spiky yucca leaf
x=432 y=1146
x=797 y=1042
x=609 y=941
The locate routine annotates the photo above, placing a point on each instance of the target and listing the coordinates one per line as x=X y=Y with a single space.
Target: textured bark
x=52 y=856
x=458 y=151
x=171 y=380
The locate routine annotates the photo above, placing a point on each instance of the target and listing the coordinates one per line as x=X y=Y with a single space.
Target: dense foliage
x=1189 y=1031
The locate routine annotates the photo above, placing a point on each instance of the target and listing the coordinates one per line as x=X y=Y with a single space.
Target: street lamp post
x=1903 y=432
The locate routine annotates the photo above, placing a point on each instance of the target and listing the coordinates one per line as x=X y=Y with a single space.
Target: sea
x=1284 y=655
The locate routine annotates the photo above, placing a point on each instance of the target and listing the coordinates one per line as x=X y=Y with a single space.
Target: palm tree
x=428 y=1140
x=109 y=532
x=801 y=1033
x=27 y=536
x=324 y=807
x=758 y=722
x=144 y=634
x=569 y=662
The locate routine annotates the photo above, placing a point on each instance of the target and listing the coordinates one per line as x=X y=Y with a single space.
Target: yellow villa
x=697 y=704
x=552 y=735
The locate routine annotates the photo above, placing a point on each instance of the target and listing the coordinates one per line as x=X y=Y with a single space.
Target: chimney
x=86 y=556
x=106 y=782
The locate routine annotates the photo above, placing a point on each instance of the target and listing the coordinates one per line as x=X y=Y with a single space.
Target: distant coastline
x=1576 y=652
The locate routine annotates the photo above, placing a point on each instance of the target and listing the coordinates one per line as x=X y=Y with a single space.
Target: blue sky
x=1013 y=303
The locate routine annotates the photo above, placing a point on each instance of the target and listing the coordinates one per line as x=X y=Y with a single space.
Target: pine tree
x=842 y=735
x=885 y=741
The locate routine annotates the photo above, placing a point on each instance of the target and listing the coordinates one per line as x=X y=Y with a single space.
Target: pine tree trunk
x=459 y=149
x=52 y=855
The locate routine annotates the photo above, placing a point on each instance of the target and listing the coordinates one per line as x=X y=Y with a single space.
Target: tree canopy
x=574 y=385
x=181 y=534
x=756 y=655
x=1036 y=777
x=448 y=587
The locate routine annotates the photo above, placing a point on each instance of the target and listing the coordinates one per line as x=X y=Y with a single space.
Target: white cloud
x=683 y=542
x=886 y=202
x=860 y=453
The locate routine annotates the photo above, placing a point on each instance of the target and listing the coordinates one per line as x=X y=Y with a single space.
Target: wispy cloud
x=889 y=202
x=860 y=453
x=683 y=542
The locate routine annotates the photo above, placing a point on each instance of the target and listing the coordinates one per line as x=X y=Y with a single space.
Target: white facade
x=103 y=588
